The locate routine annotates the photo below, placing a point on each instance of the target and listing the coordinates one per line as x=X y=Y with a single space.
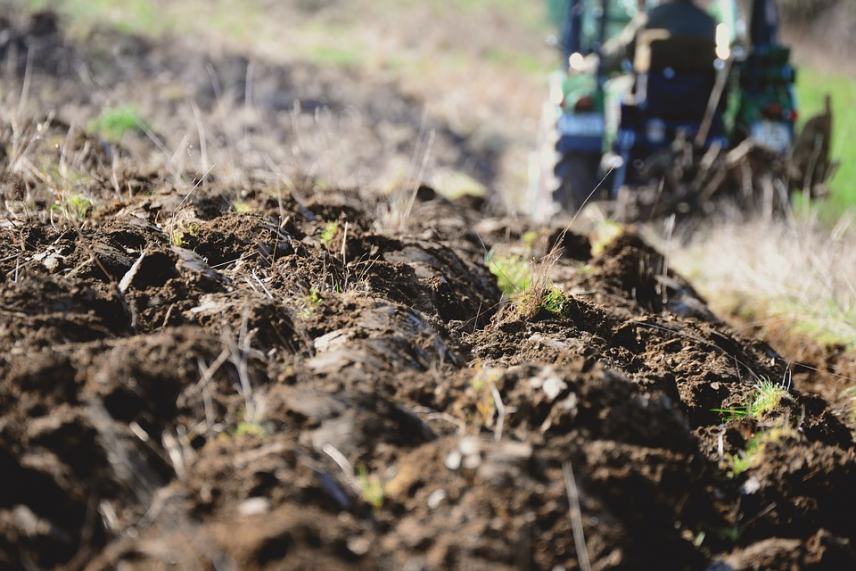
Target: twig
x=713 y=103
x=576 y=517
x=343 y=464
x=200 y=132
x=208 y=371
x=500 y=412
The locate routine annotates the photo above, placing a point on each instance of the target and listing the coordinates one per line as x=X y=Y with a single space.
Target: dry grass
x=798 y=274
x=526 y=283
x=487 y=90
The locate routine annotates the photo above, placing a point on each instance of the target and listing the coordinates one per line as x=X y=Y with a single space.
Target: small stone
x=51 y=263
x=254 y=506
x=570 y=403
x=359 y=545
x=751 y=486
x=469 y=446
x=553 y=387
x=453 y=460
x=472 y=462
x=436 y=498
x=27 y=521
x=332 y=340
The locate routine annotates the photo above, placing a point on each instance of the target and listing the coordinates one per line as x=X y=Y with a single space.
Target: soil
x=300 y=383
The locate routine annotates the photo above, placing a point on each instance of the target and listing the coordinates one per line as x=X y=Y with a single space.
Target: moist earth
x=282 y=376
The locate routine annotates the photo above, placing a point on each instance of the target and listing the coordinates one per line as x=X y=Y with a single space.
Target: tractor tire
x=577 y=176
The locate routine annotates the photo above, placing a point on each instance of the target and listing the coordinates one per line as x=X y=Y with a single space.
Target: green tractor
x=604 y=132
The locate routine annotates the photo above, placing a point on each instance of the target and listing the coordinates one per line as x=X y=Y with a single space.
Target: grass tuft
x=766 y=399
x=314 y=298
x=310 y=302
x=371 y=487
x=329 y=232
x=514 y=274
x=251 y=429
x=483 y=384
x=178 y=236
x=75 y=207
x=554 y=301
x=527 y=284
x=529 y=238
x=114 y=123
x=605 y=233
x=242 y=207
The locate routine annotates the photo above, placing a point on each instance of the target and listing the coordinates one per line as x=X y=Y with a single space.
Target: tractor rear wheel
x=577 y=176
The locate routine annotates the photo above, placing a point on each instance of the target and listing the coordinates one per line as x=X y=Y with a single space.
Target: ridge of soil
x=301 y=385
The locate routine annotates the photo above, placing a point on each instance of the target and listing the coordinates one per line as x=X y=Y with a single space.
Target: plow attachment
x=749 y=179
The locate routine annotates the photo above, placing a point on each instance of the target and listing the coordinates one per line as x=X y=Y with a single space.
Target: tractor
x=607 y=133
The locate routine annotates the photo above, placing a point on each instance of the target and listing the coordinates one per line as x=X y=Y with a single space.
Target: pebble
x=254 y=506
x=436 y=498
x=751 y=486
x=469 y=446
x=359 y=545
x=453 y=460
x=553 y=387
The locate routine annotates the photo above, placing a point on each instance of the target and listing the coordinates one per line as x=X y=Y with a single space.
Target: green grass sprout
x=554 y=301
x=251 y=429
x=114 y=123
x=242 y=207
x=75 y=206
x=766 y=399
x=329 y=232
x=513 y=273
x=371 y=487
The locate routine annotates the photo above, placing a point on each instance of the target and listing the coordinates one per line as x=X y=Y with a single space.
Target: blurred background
x=474 y=72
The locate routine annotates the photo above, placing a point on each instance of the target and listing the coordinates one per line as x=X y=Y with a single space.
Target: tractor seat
x=675 y=75
x=657 y=50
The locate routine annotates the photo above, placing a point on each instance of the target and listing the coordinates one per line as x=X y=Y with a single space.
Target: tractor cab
x=679 y=94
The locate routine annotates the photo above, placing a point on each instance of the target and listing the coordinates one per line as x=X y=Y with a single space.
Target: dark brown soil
x=185 y=386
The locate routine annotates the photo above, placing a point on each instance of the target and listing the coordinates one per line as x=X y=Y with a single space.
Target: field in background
x=479 y=66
